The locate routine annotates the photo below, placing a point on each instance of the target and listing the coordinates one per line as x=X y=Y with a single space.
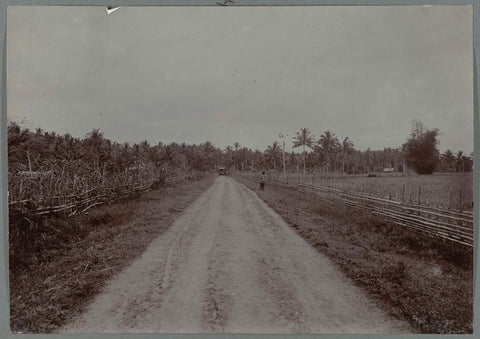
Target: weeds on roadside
x=30 y=237
x=420 y=279
x=57 y=264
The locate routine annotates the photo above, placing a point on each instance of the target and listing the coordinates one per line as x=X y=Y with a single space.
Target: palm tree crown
x=328 y=142
x=273 y=154
x=303 y=138
x=328 y=146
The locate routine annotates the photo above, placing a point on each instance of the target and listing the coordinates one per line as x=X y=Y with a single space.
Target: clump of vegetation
x=31 y=238
x=43 y=165
x=422 y=149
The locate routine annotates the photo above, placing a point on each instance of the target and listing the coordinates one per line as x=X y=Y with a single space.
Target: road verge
x=51 y=282
x=414 y=278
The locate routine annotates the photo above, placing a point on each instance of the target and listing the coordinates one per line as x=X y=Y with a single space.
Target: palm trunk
x=304 y=159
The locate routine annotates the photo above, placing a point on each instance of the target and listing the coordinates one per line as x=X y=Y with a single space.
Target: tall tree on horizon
x=460 y=160
x=235 y=154
x=347 y=147
x=329 y=146
x=273 y=154
x=422 y=149
x=303 y=139
x=292 y=160
x=95 y=150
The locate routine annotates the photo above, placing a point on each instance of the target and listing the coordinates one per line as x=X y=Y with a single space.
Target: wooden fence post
x=460 y=199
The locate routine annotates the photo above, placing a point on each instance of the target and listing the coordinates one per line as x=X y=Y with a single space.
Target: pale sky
x=243 y=74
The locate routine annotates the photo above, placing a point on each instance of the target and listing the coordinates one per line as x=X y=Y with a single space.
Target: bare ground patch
x=57 y=266
x=415 y=278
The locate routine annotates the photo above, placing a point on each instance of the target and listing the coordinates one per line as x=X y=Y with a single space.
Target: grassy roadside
x=58 y=265
x=415 y=278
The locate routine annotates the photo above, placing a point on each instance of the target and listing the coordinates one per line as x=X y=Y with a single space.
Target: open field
x=449 y=225
x=422 y=280
x=449 y=191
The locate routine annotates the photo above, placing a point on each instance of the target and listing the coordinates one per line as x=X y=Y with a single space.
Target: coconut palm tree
x=168 y=155
x=329 y=146
x=273 y=154
x=303 y=139
x=235 y=154
x=460 y=160
x=244 y=157
x=347 y=147
x=258 y=159
x=94 y=147
x=17 y=140
x=448 y=159
x=228 y=156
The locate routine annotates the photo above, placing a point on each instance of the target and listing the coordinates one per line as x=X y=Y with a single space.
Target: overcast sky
x=231 y=74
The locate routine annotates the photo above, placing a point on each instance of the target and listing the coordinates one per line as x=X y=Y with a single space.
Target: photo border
x=4 y=278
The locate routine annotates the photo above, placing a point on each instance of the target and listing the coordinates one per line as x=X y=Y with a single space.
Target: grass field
x=449 y=191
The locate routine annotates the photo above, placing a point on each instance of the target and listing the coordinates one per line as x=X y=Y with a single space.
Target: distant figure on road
x=262 y=181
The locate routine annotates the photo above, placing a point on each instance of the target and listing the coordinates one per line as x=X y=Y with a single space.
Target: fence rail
x=451 y=225
x=72 y=204
x=79 y=203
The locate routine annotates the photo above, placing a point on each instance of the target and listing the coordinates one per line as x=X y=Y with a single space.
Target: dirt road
x=230 y=264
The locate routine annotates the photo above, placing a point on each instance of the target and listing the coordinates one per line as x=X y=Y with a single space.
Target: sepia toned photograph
x=240 y=169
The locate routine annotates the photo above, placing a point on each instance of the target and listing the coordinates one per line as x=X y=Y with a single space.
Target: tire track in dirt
x=317 y=297
x=229 y=264
x=132 y=299
x=218 y=300
x=186 y=306
x=274 y=281
x=137 y=314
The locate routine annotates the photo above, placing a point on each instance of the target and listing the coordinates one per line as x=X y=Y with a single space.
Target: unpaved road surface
x=230 y=264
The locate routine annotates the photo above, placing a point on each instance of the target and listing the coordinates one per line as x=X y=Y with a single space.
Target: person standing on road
x=262 y=181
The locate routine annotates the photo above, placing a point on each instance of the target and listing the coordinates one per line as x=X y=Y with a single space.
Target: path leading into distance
x=230 y=264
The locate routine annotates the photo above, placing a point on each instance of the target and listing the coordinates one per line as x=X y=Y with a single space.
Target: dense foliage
x=45 y=163
x=422 y=149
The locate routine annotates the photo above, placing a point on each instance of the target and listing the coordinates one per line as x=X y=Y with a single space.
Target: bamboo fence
x=80 y=203
x=451 y=225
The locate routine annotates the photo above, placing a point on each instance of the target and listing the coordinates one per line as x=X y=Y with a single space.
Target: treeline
x=40 y=150
x=77 y=164
x=44 y=163
x=329 y=153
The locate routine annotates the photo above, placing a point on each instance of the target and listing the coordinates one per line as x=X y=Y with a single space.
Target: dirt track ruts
x=230 y=264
